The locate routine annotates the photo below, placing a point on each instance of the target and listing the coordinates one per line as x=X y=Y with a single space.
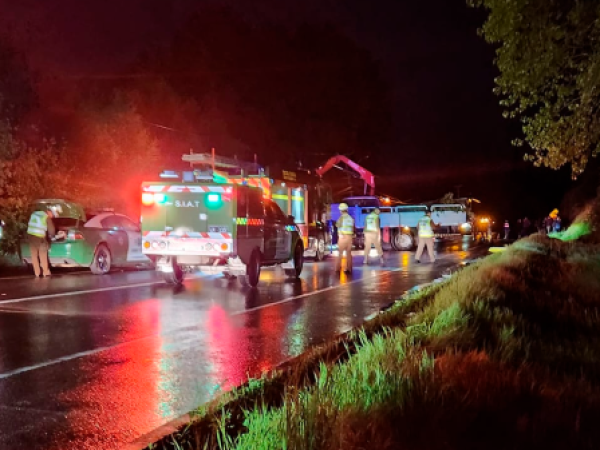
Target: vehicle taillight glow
x=75 y=236
x=214 y=198
x=147 y=244
x=224 y=247
x=160 y=198
x=147 y=198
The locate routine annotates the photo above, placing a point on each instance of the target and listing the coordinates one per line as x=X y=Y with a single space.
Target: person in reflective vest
x=373 y=235
x=345 y=226
x=39 y=228
x=426 y=235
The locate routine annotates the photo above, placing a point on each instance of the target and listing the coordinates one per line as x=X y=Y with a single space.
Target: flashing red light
x=147 y=198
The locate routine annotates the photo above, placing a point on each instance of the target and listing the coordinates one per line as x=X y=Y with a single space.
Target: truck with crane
x=399 y=221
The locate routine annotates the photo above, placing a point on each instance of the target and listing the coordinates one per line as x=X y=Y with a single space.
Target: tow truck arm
x=367 y=176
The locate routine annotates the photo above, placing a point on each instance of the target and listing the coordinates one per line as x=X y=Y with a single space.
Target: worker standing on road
x=557 y=224
x=426 y=235
x=506 y=230
x=345 y=226
x=39 y=228
x=373 y=235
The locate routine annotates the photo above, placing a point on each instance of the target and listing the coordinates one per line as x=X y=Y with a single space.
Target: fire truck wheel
x=320 y=253
x=298 y=262
x=175 y=277
x=252 y=270
x=102 y=260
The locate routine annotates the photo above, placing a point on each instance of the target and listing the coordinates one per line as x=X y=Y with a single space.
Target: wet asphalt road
x=97 y=362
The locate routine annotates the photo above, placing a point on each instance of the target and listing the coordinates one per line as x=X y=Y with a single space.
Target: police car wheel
x=102 y=260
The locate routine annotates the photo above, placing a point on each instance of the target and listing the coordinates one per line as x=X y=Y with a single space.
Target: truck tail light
x=75 y=236
x=224 y=247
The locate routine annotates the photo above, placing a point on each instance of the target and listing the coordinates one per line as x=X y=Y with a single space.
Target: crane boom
x=366 y=175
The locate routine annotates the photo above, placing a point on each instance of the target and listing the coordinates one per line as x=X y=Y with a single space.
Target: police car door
x=134 y=241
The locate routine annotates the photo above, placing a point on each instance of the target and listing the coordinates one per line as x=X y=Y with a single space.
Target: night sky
x=447 y=127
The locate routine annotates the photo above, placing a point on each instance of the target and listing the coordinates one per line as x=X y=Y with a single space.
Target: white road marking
x=121 y=344
x=73 y=293
x=28 y=277
x=296 y=297
x=69 y=358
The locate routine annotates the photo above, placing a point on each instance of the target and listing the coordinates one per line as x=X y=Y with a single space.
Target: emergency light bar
x=148 y=198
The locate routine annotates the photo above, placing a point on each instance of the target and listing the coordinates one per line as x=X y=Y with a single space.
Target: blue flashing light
x=160 y=197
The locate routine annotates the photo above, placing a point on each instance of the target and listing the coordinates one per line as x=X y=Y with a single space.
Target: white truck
x=399 y=223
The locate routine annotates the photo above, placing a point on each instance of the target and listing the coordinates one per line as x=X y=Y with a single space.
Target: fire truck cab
x=193 y=223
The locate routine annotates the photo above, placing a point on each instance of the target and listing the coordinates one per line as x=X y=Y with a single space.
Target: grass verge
x=504 y=355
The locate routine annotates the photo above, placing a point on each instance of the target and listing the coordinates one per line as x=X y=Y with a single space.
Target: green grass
x=506 y=354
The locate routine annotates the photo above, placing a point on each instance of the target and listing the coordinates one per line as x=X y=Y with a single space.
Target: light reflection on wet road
x=96 y=362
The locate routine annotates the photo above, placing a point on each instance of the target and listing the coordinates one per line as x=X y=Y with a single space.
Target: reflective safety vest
x=425 y=229
x=346 y=225
x=372 y=223
x=38 y=224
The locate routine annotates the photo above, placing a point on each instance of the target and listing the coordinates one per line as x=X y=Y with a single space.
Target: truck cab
x=217 y=228
x=451 y=218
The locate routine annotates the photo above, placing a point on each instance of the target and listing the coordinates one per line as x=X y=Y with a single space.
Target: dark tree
x=549 y=60
x=285 y=94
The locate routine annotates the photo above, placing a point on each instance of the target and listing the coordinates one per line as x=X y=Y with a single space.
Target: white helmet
x=343 y=207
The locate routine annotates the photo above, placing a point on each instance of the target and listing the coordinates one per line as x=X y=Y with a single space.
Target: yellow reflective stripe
x=246 y=221
x=371 y=222
x=285 y=197
x=38 y=224
x=347 y=227
x=425 y=229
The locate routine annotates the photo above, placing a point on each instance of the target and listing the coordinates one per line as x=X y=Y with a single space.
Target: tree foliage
x=26 y=174
x=110 y=152
x=548 y=54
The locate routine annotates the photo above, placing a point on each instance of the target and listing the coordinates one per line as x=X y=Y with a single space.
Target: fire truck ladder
x=224 y=163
